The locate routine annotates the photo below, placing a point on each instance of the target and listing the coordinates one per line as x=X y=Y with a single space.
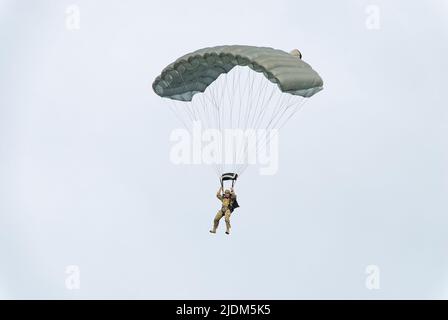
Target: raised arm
x=219 y=193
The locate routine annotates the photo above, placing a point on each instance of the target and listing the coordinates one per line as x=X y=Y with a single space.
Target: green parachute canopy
x=246 y=95
x=194 y=72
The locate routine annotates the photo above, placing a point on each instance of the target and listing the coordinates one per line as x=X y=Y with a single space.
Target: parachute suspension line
x=244 y=92
x=236 y=88
x=199 y=117
x=241 y=96
x=218 y=91
x=297 y=108
x=238 y=98
x=241 y=89
x=218 y=94
x=242 y=100
x=172 y=106
x=254 y=87
x=218 y=125
x=216 y=98
x=188 y=111
x=210 y=119
x=259 y=123
x=222 y=125
x=278 y=117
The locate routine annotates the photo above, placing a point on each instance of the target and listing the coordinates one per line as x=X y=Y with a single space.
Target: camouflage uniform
x=225 y=211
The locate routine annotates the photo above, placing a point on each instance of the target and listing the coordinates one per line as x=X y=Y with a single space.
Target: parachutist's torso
x=227 y=201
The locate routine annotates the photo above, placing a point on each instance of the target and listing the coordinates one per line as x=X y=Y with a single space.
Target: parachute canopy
x=246 y=95
x=194 y=72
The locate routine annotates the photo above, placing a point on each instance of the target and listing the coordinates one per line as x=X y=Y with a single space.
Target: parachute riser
x=228 y=177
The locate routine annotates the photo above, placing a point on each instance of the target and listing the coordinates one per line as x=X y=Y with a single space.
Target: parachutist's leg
x=227 y=219
x=218 y=217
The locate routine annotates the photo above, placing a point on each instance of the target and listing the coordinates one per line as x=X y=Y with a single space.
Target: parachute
x=237 y=88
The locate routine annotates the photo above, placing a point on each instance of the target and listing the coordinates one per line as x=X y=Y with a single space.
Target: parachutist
x=263 y=86
x=229 y=203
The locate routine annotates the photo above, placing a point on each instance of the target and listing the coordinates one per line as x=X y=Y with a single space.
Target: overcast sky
x=86 y=180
